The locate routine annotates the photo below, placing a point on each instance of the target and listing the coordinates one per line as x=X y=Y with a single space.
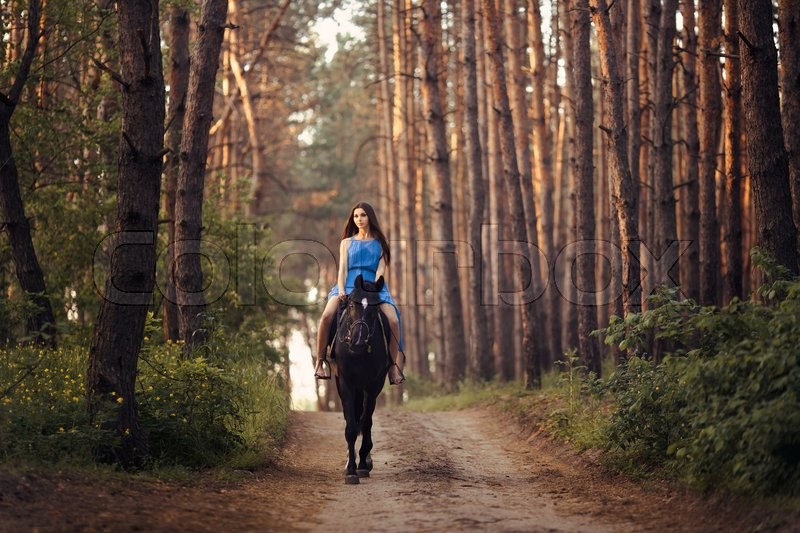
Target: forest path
x=468 y=470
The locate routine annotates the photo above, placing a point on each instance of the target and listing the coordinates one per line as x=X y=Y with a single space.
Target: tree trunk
x=446 y=276
x=178 y=85
x=389 y=187
x=789 y=40
x=114 y=350
x=532 y=351
x=634 y=46
x=570 y=338
x=480 y=361
x=543 y=165
x=710 y=22
x=622 y=184
x=40 y=325
x=665 y=233
x=767 y=159
x=191 y=179
x=732 y=280
x=690 y=276
x=584 y=181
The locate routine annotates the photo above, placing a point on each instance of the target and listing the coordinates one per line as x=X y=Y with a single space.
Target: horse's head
x=361 y=314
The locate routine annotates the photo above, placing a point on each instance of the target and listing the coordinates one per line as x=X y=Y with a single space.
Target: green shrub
x=200 y=411
x=723 y=407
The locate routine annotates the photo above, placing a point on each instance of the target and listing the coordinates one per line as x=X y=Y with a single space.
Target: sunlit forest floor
x=471 y=469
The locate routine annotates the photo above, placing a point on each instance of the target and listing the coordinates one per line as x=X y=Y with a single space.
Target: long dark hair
x=351 y=229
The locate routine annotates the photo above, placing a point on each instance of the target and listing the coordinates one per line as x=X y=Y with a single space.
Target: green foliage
x=579 y=418
x=203 y=411
x=43 y=410
x=723 y=408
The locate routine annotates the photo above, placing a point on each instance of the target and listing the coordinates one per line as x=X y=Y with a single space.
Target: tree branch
x=34 y=18
x=114 y=75
x=751 y=46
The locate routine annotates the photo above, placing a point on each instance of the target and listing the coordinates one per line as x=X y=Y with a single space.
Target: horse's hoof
x=351 y=480
x=362 y=472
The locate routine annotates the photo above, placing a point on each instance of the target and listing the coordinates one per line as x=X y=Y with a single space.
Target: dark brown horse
x=361 y=359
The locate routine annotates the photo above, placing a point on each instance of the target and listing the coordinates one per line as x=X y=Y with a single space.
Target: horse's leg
x=350 y=409
x=365 y=459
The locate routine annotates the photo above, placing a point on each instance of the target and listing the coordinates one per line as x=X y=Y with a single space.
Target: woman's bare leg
x=322 y=337
x=396 y=370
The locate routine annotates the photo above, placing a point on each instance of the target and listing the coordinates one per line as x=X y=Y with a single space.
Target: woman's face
x=361 y=219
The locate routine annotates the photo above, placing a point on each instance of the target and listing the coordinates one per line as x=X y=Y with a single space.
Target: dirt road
x=454 y=471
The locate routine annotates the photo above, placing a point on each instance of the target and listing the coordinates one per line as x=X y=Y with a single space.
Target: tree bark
x=446 y=277
x=532 y=351
x=480 y=361
x=789 y=40
x=543 y=165
x=767 y=158
x=40 y=324
x=114 y=350
x=178 y=85
x=732 y=281
x=710 y=23
x=634 y=117
x=622 y=183
x=191 y=178
x=690 y=276
x=665 y=233
x=584 y=181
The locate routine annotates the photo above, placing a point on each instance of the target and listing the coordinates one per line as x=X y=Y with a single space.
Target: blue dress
x=363 y=257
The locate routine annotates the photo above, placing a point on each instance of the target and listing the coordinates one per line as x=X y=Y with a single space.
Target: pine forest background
x=538 y=166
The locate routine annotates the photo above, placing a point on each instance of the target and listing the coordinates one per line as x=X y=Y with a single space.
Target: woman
x=363 y=250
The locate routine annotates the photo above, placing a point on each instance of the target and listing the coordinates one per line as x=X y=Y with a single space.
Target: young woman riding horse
x=365 y=251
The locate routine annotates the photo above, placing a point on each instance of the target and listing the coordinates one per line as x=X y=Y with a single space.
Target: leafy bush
x=200 y=411
x=42 y=405
x=723 y=408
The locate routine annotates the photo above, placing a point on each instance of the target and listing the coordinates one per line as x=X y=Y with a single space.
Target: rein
x=357 y=333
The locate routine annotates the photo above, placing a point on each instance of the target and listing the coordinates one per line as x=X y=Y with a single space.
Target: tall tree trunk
x=40 y=325
x=634 y=118
x=446 y=277
x=178 y=85
x=709 y=34
x=489 y=259
x=665 y=223
x=690 y=276
x=622 y=184
x=767 y=159
x=119 y=328
x=389 y=186
x=568 y=220
x=191 y=179
x=503 y=348
x=480 y=353
x=732 y=280
x=584 y=180
x=532 y=352
x=543 y=165
x=789 y=40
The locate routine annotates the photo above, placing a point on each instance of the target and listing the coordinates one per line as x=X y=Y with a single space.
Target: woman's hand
x=342 y=296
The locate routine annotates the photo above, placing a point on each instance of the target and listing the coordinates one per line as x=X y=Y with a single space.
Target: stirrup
x=400 y=380
x=324 y=368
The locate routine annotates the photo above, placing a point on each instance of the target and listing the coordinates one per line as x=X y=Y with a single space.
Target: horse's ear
x=359 y=283
x=379 y=284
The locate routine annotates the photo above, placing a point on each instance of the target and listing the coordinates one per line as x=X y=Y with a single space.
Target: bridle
x=356 y=333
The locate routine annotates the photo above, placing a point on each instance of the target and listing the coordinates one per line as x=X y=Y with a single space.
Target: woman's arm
x=342 y=278
x=381 y=269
